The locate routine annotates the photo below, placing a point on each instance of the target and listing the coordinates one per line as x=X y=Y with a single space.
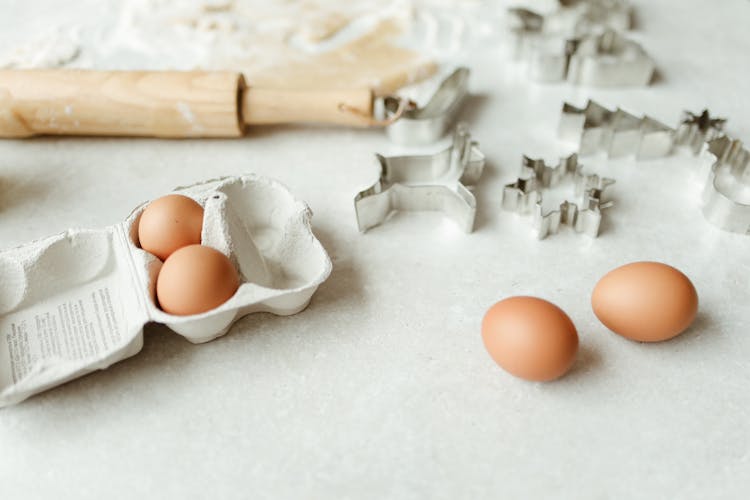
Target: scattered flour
x=327 y=43
x=57 y=49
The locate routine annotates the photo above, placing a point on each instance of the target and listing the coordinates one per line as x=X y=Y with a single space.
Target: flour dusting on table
x=319 y=43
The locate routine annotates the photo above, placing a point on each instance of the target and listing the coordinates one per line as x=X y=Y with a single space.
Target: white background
x=382 y=388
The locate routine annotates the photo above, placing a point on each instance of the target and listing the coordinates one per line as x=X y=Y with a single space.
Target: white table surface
x=382 y=388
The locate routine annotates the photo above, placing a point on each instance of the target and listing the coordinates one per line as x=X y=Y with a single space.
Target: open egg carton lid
x=77 y=302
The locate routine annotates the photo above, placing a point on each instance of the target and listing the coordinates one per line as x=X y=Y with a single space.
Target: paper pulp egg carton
x=77 y=302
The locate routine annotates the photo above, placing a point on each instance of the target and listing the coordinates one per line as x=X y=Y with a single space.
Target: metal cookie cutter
x=608 y=60
x=546 y=56
x=726 y=196
x=618 y=133
x=435 y=182
x=590 y=16
x=604 y=60
x=531 y=43
x=581 y=43
x=427 y=124
x=694 y=130
x=572 y=18
x=525 y=195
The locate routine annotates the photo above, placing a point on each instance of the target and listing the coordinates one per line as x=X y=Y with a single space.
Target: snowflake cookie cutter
x=525 y=195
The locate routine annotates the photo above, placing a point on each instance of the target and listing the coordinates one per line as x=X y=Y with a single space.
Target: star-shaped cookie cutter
x=694 y=130
x=525 y=195
x=438 y=182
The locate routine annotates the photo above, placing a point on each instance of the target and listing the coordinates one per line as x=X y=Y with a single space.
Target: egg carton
x=77 y=302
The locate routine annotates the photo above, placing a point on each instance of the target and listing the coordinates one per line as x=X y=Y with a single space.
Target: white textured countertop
x=382 y=387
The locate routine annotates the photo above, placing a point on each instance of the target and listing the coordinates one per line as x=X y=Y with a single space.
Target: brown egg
x=530 y=338
x=645 y=301
x=169 y=223
x=195 y=279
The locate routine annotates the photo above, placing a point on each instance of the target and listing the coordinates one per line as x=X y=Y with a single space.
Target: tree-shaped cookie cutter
x=437 y=182
x=726 y=192
x=595 y=128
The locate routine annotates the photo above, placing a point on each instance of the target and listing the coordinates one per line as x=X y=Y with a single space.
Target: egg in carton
x=77 y=302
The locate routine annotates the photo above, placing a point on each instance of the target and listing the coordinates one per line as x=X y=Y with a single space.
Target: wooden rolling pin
x=171 y=104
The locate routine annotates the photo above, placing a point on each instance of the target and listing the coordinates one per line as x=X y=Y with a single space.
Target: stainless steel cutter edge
x=426 y=124
x=437 y=182
x=618 y=133
x=525 y=194
x=609 y=59
x=581 y=42
x=726 y=194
